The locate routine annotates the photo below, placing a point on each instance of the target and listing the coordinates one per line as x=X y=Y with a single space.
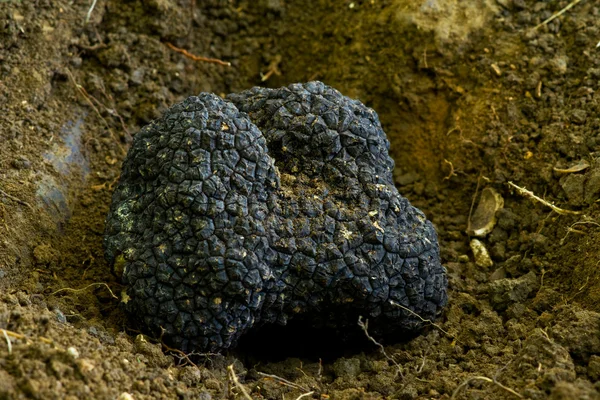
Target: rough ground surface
x=469 y=98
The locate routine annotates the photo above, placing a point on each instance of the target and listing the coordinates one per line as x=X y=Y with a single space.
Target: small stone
x=499 y=251
x=559 y=65
x=137 y=76
x=505 y=292
x=125 y=396
x=60 y=317
x=204 y=396
x=573 y=186
x=481 y=254
x=76 y=61
x=506 y=219
x=21 y=163
x=540 y=242
x=73 y=352
x=578 y=116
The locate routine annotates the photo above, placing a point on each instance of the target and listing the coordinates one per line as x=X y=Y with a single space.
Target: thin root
x=365 y=327
x=16 y=199
x=573 y=230
x=428 y=321
x=88 y=98
x=180 y=354
x=236 y=382
x=284 y=381
x=85 y=288
x=451 y=173
x=485 y=379
x=197 y=58
x=273 y=69
x=527 y=193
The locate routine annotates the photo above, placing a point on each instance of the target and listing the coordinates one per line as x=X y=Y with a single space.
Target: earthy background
x=471 y=94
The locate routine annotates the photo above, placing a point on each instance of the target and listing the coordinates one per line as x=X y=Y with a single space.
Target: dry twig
x=485 y=379
x=237 y=383
x=197 y=58
x=527 y=193
x=365 y=327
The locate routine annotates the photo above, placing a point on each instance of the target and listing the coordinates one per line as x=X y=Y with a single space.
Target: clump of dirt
x=471 y=95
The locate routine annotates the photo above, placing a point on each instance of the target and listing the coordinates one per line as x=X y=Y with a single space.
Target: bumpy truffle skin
x=271 y=205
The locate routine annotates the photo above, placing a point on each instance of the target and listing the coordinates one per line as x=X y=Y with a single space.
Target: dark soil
x=470 y=95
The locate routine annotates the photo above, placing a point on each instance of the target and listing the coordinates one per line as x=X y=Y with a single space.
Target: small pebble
x=481 y=254
x=73 y=352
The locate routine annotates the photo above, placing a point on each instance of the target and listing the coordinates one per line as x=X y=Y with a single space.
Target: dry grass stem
x=236 y=382
x=197 y=58
x=365 y=327
x=485 y=379
x=527 y=193
x=558 y=14
x=87 y=287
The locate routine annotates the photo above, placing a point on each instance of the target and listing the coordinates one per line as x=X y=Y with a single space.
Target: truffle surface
x=269 y=205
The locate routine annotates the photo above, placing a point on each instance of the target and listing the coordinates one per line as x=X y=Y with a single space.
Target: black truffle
x=271 y=205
